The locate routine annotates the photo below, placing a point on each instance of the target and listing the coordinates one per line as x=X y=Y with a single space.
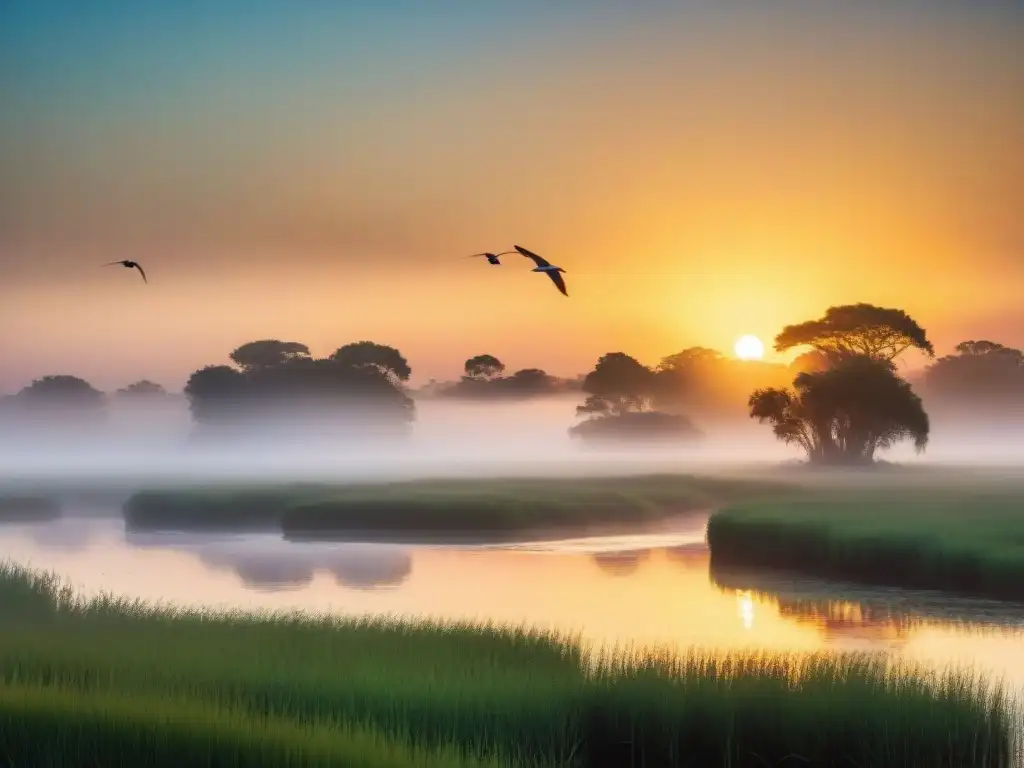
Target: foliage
x=937 y=536
x=357 y=387
x=80 y=679
x=857 y=329
x=267 y=353
x=513 y=507
x=846 y=413
x=142 y=389
x=369 y=354
x=618 y=384
x=982 y=375
x=484 y=367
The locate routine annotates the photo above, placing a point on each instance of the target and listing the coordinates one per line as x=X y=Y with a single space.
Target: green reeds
x=331 y=688
x=968 y=542
x=491 y=507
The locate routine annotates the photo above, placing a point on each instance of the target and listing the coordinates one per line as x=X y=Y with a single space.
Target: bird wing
x=143 y=273
x=556 y=278
x=540 y=262
x=474 y=255
x=111 y=263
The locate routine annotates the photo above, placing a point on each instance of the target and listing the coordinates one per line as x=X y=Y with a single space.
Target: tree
x=622 y=382
x=362 y=354
x=144 y=388
x=73 y=400
x=982 y=375
x=484 y=367
x=215 y=393
x=814 y=361
x=267 y=353
x=845 y=414
x=857 y=329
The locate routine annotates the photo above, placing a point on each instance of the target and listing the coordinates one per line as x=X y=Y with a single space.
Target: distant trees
x=485 y=379
x=359 y=386
x=845 y=412
x=55 y=405
x=980 y=377
x=267 y=353
x=620 y=391
x=142 y=389
x=483 y=367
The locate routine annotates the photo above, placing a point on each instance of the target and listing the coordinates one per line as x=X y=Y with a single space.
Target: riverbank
x=85 y=680
x=492 y=509
x=966 y=539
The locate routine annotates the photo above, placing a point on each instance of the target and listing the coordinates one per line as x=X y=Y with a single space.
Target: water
x=651 y=588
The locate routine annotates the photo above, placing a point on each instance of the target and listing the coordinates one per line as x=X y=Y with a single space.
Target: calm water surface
x=654 y=588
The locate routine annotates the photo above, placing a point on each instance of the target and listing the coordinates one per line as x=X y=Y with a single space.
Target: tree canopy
x=143 y=388
x=358 y=385
x=484 y=367
x=980 y=376
x=845 y=414
x=369 y=354
x=618 y=384
x=857 y=329
x=266 y=353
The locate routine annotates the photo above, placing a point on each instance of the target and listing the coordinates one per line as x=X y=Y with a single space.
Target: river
x=652 y=588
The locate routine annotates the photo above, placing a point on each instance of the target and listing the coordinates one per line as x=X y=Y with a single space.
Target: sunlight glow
x=749 y=348
x=745 y=605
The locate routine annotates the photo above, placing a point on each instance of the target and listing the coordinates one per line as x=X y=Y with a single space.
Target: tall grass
x=965 y=541
x=321 y=689
x=492 y=506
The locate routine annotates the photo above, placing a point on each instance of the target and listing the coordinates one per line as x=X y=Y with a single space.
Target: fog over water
x=155 y=442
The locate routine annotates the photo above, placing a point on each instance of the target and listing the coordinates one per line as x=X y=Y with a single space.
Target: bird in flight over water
x=543 y=265
x=492 y=258
x=129 y=265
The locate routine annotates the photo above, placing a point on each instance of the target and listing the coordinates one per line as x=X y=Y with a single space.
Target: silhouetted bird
x=545 y=266
x=129 y=265
x=492 y=258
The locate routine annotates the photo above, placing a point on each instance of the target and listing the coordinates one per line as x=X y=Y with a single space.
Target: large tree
x=857 y=329
x=266 y=353
x=386 y=359
x=618 y=384
x=845 y=414
x=484 y=367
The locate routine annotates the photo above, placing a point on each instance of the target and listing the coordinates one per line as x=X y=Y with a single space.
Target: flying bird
x=492 y=258
x=129 y=265
x=543 y=265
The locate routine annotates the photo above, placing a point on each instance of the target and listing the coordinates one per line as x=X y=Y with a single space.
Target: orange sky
x=699 y=174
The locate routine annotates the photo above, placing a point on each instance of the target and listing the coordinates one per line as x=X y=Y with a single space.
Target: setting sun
x=749 y=348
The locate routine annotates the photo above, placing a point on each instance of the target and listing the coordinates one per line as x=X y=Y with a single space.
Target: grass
x=967 y=540
x=495 y=508
x=109 y=682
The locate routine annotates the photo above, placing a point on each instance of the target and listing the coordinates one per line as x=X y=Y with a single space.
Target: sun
x=749 y=348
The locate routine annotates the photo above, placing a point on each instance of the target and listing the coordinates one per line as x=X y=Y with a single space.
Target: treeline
x=831 y=400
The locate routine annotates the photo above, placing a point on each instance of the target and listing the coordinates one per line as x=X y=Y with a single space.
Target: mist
x=155 y=442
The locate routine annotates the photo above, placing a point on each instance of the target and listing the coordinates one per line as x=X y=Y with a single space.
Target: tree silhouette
x=300 y=393
x=267 y=353
x=813 y=361
x=484 y=367
x=144 y=388
x=845 y=414
x=69 y=400
x=363 y=354
x=857 y=329
x=621 y=382
x=982 y=375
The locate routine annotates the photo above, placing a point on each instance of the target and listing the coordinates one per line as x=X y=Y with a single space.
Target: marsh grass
x=103 y=678
x=492 y=507
x=967 y=541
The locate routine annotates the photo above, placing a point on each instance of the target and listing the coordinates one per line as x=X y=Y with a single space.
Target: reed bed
x=969 y=542
x=447 y=507
x=101 y=681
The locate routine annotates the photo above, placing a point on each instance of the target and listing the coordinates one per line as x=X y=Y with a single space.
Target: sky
x=316 y=171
